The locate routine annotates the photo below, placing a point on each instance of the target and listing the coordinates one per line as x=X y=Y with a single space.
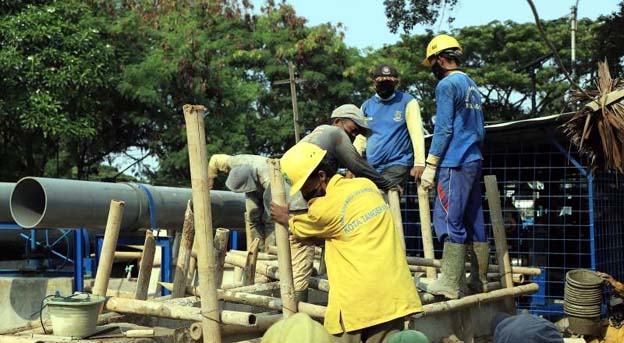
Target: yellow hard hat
x=439 y=43
x=299 y=162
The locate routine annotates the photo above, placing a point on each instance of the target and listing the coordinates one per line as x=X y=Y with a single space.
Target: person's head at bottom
x=408 y=336
x=524 y=328
x=297 y=328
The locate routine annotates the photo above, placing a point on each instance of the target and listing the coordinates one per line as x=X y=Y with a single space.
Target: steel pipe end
x=28 y=203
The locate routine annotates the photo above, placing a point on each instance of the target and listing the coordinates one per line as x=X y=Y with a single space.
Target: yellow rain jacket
x=366 y=265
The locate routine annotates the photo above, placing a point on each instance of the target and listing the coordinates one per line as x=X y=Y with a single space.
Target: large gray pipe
x=38 y=202
x=5 y=195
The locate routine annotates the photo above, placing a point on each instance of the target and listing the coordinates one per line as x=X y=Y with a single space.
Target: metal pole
x=293 y=96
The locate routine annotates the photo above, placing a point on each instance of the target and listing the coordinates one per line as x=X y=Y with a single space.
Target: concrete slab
x=20 y=297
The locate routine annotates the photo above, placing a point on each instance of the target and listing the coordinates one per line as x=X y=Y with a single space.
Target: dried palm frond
x=598 y=130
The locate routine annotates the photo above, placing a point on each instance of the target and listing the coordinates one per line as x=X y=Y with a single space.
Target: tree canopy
x=82 y=80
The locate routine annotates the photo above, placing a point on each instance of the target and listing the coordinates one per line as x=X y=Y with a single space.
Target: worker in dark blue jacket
x=455 y=158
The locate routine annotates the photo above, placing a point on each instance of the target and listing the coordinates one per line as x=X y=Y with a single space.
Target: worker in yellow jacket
x=371 y=286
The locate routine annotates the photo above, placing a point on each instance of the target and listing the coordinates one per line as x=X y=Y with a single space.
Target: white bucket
x=75 y=316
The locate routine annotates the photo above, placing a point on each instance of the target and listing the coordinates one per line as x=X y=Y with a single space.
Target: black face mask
x=438 y=71
x=384 y=89
x=315 y=193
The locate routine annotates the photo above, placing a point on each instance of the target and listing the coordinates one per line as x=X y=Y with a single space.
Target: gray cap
x=354 y=113
x=242 y=179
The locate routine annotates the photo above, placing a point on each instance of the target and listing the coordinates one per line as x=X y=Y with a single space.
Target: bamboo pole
x=262 y=256
x=315 y=311
x=395 y=209
x=515 y=278
x=493 y=268
x=139 y=333
x=195 y=132
x=231 y=285
x=192 y=264
x=480 y=298
x=249 y=272
x=319 y=284
x=220 y=249
x=248 y=234
x=261 y=267
x=146 y=266
x=500 y=237
x=175 y=249
x=120 y=256
x=263 y=322
x=164 y=310
x=425 y=228
x=427 y=298
x=184 y=255
x=287 y=288
x=115 y=215
x=255 y=288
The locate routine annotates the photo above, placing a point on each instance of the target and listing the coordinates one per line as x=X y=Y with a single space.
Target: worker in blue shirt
x=396 y=147
x=455 y=157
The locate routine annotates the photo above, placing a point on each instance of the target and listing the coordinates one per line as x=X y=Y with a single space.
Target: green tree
x=408 y=13
x=219 y=55
x=609 y=38
x=59 y=100
x=498 y=56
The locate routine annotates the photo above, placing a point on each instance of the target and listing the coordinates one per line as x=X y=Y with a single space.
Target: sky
x=365 y=20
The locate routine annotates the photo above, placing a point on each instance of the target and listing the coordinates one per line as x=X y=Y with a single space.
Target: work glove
x=427 y=180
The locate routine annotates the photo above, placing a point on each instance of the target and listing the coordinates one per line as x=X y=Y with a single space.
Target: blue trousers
x=458 y=209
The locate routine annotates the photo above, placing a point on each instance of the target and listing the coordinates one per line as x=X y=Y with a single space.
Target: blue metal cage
x=559 y=215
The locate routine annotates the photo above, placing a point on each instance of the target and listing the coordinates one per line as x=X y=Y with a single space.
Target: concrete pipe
x=5 y=195
x=56 y=203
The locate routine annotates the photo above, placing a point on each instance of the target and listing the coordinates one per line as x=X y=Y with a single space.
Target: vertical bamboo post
x=248 y=234
x=175 y=250
x=220 y=250
x=195 y=132
x=184 y=255
x=284 y=261
x=425 y=228
x=395 y=208
x=192 y=264
x=500 y=237
x=145 y=266
x=115 y=215
x=249 y=272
